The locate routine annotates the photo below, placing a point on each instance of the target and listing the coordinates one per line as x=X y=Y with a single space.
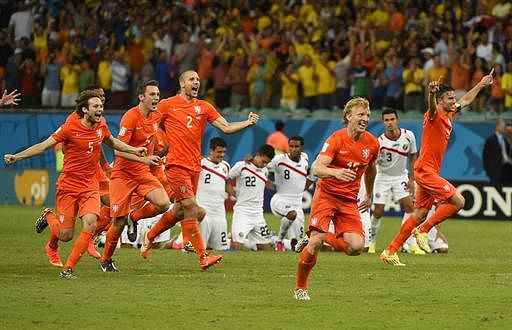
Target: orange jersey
x=347 y=153
x=82 y=147
x=185 y=123
x=434 y=140
x=136 y=131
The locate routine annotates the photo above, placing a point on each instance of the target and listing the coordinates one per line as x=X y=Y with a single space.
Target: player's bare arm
x=433 y=87
x=152 y=160
x=270 y=185
x=321 y=170
x=229 y=128
x=308 y=184
x=369 y=179
x=468 y=98
x=32 y=151
x=119 y=145
x=10 y=99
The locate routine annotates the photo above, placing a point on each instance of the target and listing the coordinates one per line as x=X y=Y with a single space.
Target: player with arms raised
x=431 y=187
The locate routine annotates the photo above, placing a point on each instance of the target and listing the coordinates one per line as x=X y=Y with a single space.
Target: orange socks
x=79 y=248
x=306 y=263
x=403 y=234
x=148 y=210
x=54 y=225
x=166 y=221
x=110 y=244
x=336 y=242
x=104 y=220
x=190 y=229
x=443 y=212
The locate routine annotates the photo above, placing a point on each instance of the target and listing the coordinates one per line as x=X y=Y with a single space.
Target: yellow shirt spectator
x=436 y=73
x=415 y=84
x=308 y=80
x=379 y=17
x=506 y=84
x=70 y=79
x=326 y=78
x=290 y=87
x=105 y=75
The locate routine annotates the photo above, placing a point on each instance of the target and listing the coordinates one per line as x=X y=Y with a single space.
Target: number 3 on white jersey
x=189 y=121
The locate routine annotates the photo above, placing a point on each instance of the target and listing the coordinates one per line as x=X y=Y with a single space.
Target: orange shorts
x=121 y=190
x=159 y=173
x=431 y=188
x=344 y=214
x=70 y=204
x=183 y=181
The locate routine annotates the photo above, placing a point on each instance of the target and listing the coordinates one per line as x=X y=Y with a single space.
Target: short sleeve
x=62 y=133
x=236 y=170
x=330 y=147
x=414 y=148
x=211 y=112
x=126 y=127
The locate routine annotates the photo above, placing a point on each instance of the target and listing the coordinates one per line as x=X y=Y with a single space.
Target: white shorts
x=214 y=229
x=280 y=207
x=249 y=226
x=384 y=185
x=145 y=224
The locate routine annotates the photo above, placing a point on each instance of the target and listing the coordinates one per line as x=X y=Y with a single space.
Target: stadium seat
x=300 y=113
x=245 y=111
x=229 y=111
x=322 y=114
x=272 y=113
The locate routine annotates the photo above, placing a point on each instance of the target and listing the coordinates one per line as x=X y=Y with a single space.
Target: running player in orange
x=77 y=186
x=185 y=118
x=430 y=186
x=345 y=156
x=131 y=174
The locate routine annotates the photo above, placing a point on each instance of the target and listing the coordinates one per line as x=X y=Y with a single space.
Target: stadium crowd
x=308 y=54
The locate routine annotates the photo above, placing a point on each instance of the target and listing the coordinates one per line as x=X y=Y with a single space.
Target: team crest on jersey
x=366 y=153
x=197 y=109
x=405 y=147
x=99 y=133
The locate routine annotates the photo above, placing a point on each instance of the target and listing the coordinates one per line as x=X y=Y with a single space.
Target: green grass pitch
x=469 y=288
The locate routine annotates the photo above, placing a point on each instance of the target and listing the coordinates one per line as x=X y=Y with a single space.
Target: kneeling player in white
x=291 y=178
x=211 y=193
x=248 y=221
x=396 y=146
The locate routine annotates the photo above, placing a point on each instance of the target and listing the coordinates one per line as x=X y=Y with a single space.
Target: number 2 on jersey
x=189 y=121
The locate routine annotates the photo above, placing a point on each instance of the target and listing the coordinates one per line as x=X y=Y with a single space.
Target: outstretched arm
x=229 y=128
x=473 y=92
x=119 y=145
x=321 y=169
x=433 y=87
x=34 y=150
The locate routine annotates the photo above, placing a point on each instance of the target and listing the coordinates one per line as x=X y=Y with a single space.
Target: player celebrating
x=77 y=186
x=396 y=146
x=249 y=226
x=291 y=172
x=185 y=118
x=345 y=156
x=131 y=174
x=431 y=187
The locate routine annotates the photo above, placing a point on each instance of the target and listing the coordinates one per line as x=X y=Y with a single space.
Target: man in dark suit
x=496 y=154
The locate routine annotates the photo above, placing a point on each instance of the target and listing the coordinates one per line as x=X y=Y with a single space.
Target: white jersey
x=290 y=176
x=250 y=186
x=393 y=155
x=211 y=189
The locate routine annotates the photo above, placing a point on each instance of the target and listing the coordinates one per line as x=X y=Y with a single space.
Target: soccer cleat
x=421 y=239
x=301 y=244
x=146 y=245
x=301 y=294
x=415 y=249
x=132 y=229
x=390 y=259
x=188 y=248
x=67 y=273
x=280 y=246
x=207 y=261
x=91 y=250
x=53 y=256
x=41 y=222
x=371 y=247
x=108 y=266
